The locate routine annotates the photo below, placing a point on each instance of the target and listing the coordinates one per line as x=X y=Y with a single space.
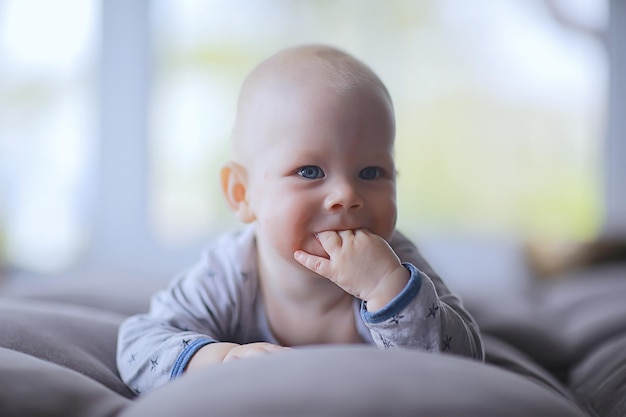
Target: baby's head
x=287 y=86
x=312 y=148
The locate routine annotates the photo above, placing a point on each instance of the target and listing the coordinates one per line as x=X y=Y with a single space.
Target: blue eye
x=369 y=173
x=311 y=172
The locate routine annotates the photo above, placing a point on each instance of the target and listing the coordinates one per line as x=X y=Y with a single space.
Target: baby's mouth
x=340 y=229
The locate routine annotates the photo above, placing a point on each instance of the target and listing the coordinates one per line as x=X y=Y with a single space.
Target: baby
x=313 y=175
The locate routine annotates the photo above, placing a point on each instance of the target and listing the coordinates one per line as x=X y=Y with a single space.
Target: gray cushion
x=507 y=357
x=559 y=323
x=79 y=338
x=600 y=380
x=30 y=387
x=112 y=292
x=352 y=381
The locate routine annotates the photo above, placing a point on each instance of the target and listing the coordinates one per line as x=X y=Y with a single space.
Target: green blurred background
x=500 y=104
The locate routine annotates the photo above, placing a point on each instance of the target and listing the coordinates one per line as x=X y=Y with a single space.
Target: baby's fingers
x=251 y=350
x=313 y=263
x=330 y=240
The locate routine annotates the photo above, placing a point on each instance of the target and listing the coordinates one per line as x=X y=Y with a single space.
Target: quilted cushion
x=79 y=338
x=112 y=292
x=599 y=381
x=31 y=387
x=559 y=323
x=505 y=356
x=352 y=381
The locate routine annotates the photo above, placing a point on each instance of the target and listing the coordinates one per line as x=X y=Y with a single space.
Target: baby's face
x=326 y=163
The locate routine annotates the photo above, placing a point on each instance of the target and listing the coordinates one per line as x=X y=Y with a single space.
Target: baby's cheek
x=285 y=242
x=386 y=228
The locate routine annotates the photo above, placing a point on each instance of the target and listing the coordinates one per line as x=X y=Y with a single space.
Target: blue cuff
x=185 y=356
x=399 y=302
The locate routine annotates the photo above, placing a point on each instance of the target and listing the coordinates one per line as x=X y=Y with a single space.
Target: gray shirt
x=218 y=299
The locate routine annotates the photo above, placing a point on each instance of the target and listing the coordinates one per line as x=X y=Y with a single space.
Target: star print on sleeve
x=185 y=343
x=154 y=363
x=432 y=311
x=133 y=358
x=446 y=343
x=386 y=343
x=396 y=319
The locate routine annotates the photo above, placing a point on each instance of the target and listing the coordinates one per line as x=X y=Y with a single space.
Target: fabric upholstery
x=557 y=350
x=599 y=381
x=352 y=381
x=31 y=387
x=78 y=338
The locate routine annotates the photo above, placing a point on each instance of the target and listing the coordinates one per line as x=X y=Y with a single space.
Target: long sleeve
x=212 y=301
x=425 y=314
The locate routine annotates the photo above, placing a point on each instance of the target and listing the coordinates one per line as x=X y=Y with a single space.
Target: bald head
x=309 y=65
x=304 y=72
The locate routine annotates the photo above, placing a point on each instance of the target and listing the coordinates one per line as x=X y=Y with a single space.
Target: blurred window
x=47 y=127
x=500 y=106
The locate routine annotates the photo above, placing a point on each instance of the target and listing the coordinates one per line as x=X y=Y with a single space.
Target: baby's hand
x=361 y=263
x=252 y=349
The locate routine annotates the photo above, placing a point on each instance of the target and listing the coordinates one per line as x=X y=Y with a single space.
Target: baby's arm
x=419 y=313
x=459 y=332
x=187 y=323
x=151 y=349
x=152 y=352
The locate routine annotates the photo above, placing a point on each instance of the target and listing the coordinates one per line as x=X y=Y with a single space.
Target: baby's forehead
x=299 y=84
x=311 y=66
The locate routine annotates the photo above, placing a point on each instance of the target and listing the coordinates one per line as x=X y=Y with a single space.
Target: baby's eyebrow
x=308 y=155
x=310 y=149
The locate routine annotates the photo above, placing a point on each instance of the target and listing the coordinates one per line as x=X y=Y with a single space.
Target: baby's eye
x=369 y=173
x=311 y=172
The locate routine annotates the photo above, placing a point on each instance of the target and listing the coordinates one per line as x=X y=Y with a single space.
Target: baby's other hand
x=361 y=263
x=252 y=349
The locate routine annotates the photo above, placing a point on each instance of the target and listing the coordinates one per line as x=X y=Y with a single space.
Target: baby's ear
x=235 y=188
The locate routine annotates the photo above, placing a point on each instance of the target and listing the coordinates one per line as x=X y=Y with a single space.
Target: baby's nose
x=343 y=196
